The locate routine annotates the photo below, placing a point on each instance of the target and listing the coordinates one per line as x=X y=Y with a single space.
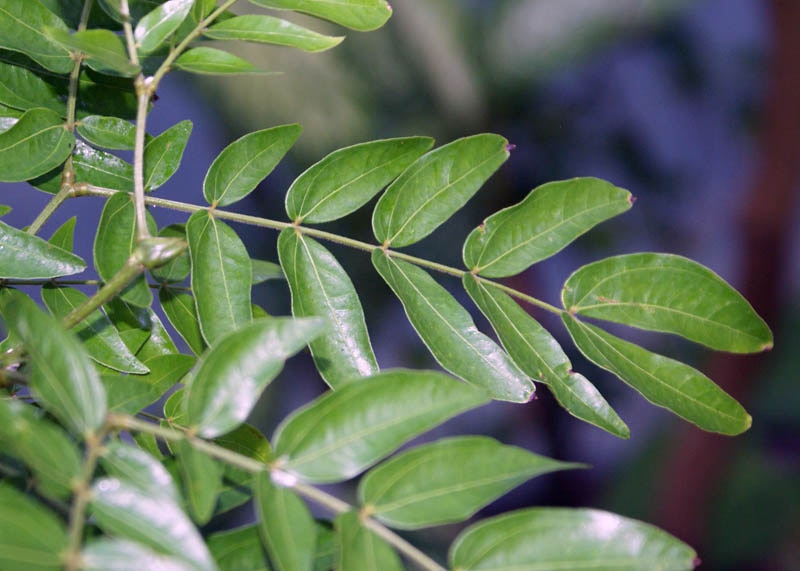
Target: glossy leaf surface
x=363 y=15
x=124 y=510
x=22 y=29
x=237 y=549
x=321 y=287
x=23 y=256
x=154 y=29
x=182 y=314
x=345 y=431
x=130 y=394
x=92 y=166
x=211 y=61
x=22 y=88
x=243 y=164
x=669 y=293
x=103 y=50
x=348 y=178
x=449 y=332
x=674 y=385
x=107 y=132
x=269 y=30
x=114 y=242
x=100 y=337
x=549 y=218
x=36 y=143
x=287 y=528
x=360 y=548
x=435 y=187
x=448 y=480
x=162 y=154
x=231 y=377
x=140 y=470
x=220 y=276
x=31 y=536
x=551 y=539
x=201 y=476
x=540 y=356
x=61 y=374
x=114 y=554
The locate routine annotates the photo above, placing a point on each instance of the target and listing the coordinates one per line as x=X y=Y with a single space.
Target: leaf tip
x=510 y=147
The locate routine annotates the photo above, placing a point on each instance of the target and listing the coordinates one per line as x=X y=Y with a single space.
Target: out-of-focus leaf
x=211 y=61
x=21 y=88
x=5 y=209
x=124 y=510
x=669 y=293
x=665 y=382
x=103 y=50
x=114 y=554
x=31 y=536
x=286 y=525
x=327 y=553
x=237 y=483
x=201 y=478
x=360 y=548
x=141 y=329
x=364 y=15
x=174 y=414
x=100 y=337
x=42 y=445
x=540 y=356
x=182 y=314
x=321 y=287
x=269 y=30
x=140 y=470
x=220 y=276
x=201 y=9
x=177 y=269
x=63 y=236
x=23 y=256
x=22 y=26
x=91 y=166
x=231 y=377
x=552 y=539
x=348 y=178
x=107 y=132
x=36 y=143
x=345 y=431
x=130 y=394
x=449 y=332
x=435 y=187
x=115 y=240
x=162 y=155
x=61 y=374
x=154 y=29
x=448 y=480
x=238 y=549
x=243 y=164
x=264 y=271
x=549 y=218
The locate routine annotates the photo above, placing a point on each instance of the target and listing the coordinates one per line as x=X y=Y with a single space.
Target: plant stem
x=58 y=199
x=143 y=94
x=130 y=41
x=411 y=552
x=77 y=512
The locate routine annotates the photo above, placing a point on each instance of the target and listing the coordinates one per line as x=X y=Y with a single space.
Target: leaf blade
x=364 y=15
x=23 y=256
x=36 y=143
x=269 y=30
x=360 y=548
x=155 y=27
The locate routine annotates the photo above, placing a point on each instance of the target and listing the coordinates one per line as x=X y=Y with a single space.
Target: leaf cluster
x=117 y=448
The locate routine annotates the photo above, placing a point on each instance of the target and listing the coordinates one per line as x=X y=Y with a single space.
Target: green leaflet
x=92 y=166
x=262 y=271
x=103 y=50
x=162 y=154
x=243 y=164
x=663 y=381
x=360 y=548
x=181 y=311
x=540 y=356
x=23 y=89
x=154 y=28
x=115 y=240
x=447 y=481
x=107 y=132
x=27 y=527
x=23 y=256
x=552 y=539
x=664 y=292
x=435 y=187
x=61 y=375
x=42 y=445
x=286 y=526
x=36 y=143
x=100 y=337
x=269 y=30
x=22 y=29
x=107 y=554
x=237 y=549
x=450 y=334
x=320 y=287
x=345 y=431
x=130 y=394
x=177 y=269
x=139 y=470
x=202 y=478
x=220 y=276
x=549 y=218
x=211 y=61
x=232 y=375
x=248 y=441
x=364 y=15
x=124 y=510
x=348 y=178
x=64 y=234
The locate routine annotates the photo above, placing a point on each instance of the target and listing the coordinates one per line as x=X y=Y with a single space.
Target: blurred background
x=692 y=105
